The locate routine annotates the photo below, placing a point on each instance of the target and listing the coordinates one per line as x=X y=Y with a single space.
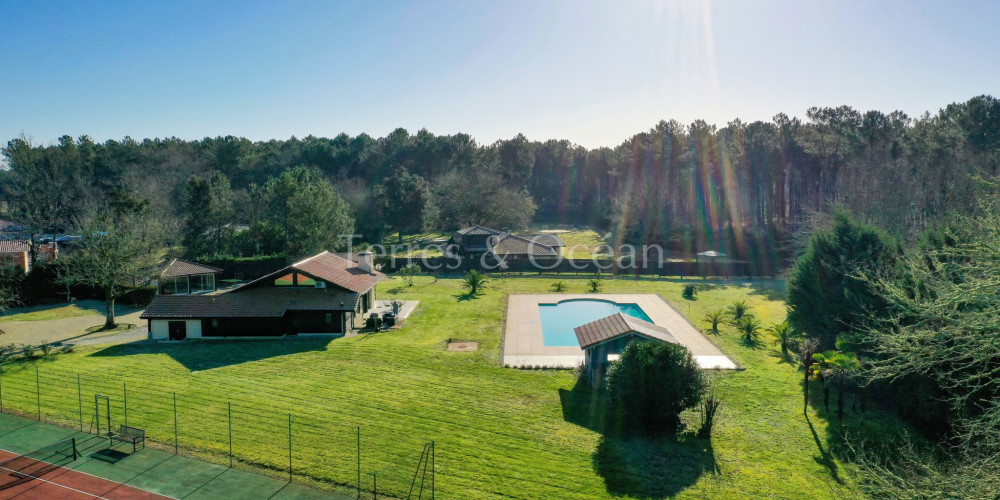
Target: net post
x=38 y=394
x=175 y=424
x=289 y=447
x=359 y=462
x=75 y=454
x=230 y=413
x=79 y=398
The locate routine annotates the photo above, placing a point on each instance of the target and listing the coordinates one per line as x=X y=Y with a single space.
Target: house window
x=196 y=283
x=209 y=282
x=286 y=280
x=329 y=318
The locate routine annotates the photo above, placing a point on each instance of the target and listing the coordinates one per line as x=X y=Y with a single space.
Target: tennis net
x=37 y=463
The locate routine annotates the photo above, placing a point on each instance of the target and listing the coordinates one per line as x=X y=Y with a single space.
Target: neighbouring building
x=474 y=241
x=14 y=253
x=324 y=294
x=182 y=277
x=604 y=340
x=17 y=253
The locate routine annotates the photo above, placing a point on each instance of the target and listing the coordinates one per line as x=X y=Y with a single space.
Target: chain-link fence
x=301 y=446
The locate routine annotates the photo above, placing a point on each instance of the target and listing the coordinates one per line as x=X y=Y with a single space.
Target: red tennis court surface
x=62 y=483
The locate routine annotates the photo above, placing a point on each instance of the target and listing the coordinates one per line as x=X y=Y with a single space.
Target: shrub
x=737 y=310
x=689 y=291
x=749 y=328
x=408 y=272
x=46 y=348
x=709 y=408
x=6 y=350
x=714 y=318
x=29 y=351
x=594 y=284
x=558 y=286
x=139 y=297
x=651 y=384
x=474 y=280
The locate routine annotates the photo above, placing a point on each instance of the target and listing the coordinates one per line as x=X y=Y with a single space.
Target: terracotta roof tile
x=13 y=246
x=181 y=267
x=329 y=267
x=255 y=303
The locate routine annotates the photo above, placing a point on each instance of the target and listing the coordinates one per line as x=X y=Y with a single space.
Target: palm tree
x=714 y=318
x=749 y=327
x=737 y=310
x=473 y=280
x=595 y=285
x=822 y=371
x=784 y=336
x=842 y=367
x=806 y=351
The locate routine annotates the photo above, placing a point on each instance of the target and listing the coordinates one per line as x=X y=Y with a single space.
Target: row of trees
x=695 y=186
x=916 y=325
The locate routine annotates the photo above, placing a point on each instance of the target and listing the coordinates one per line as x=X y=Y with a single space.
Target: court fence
x=303 y=447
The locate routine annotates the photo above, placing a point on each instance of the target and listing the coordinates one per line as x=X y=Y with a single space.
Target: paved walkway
x=66 y=330
x=525 y=346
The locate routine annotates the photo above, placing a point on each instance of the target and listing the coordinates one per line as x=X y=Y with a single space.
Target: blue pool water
x=559 y=320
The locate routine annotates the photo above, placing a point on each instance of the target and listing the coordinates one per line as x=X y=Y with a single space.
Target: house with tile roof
x=323 y=294
x=606 y=338
x=182 y=277
x=474 y=241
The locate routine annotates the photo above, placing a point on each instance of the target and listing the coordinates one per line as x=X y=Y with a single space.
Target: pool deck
x=524 y=345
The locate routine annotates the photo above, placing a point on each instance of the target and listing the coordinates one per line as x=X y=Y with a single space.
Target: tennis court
x=43 y=461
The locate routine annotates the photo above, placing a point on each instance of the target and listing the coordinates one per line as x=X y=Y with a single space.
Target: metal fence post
x=289 y=447
x=38 y=394
x=359 y=462
x=79 y=398
x=175 y=423
x=230 y=412
x=125 y=399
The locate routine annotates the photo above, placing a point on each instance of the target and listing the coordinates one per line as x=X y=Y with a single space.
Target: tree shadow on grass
x=640 y=466
x=209 y=354
x=652 y=467
x=463 y=297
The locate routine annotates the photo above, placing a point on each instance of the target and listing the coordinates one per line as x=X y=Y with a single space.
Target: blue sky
x=591 y=72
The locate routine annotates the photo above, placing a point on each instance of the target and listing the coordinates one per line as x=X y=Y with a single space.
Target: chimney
x=365 y=262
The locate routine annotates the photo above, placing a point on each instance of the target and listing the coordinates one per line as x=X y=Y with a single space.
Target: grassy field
x=499 y=433
x=58 y=311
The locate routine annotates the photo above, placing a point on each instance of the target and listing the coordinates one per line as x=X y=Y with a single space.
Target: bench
x=127 y=434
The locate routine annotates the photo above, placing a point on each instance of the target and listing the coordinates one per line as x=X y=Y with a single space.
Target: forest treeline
x=691 y=187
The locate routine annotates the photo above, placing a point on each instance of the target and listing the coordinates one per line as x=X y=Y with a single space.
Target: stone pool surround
x=524 y=345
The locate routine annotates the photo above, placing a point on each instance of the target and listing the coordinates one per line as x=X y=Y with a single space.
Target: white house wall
x=159 y=329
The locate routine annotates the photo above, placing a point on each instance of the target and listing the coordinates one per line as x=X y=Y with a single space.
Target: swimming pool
x=559 y=320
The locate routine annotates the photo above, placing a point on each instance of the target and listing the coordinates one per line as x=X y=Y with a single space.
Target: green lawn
x=499 y=433
x=59 y=311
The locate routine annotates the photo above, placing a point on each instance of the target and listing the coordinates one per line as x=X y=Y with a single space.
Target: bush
x=709 y=408
x=408 y=272
x=558 y=286
x=737 y=310
x=46 y=348
x=29 y=351
x=651 y=384
x=689 y=291
x=594 y=284
x=140 y=297
x=714 y=318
